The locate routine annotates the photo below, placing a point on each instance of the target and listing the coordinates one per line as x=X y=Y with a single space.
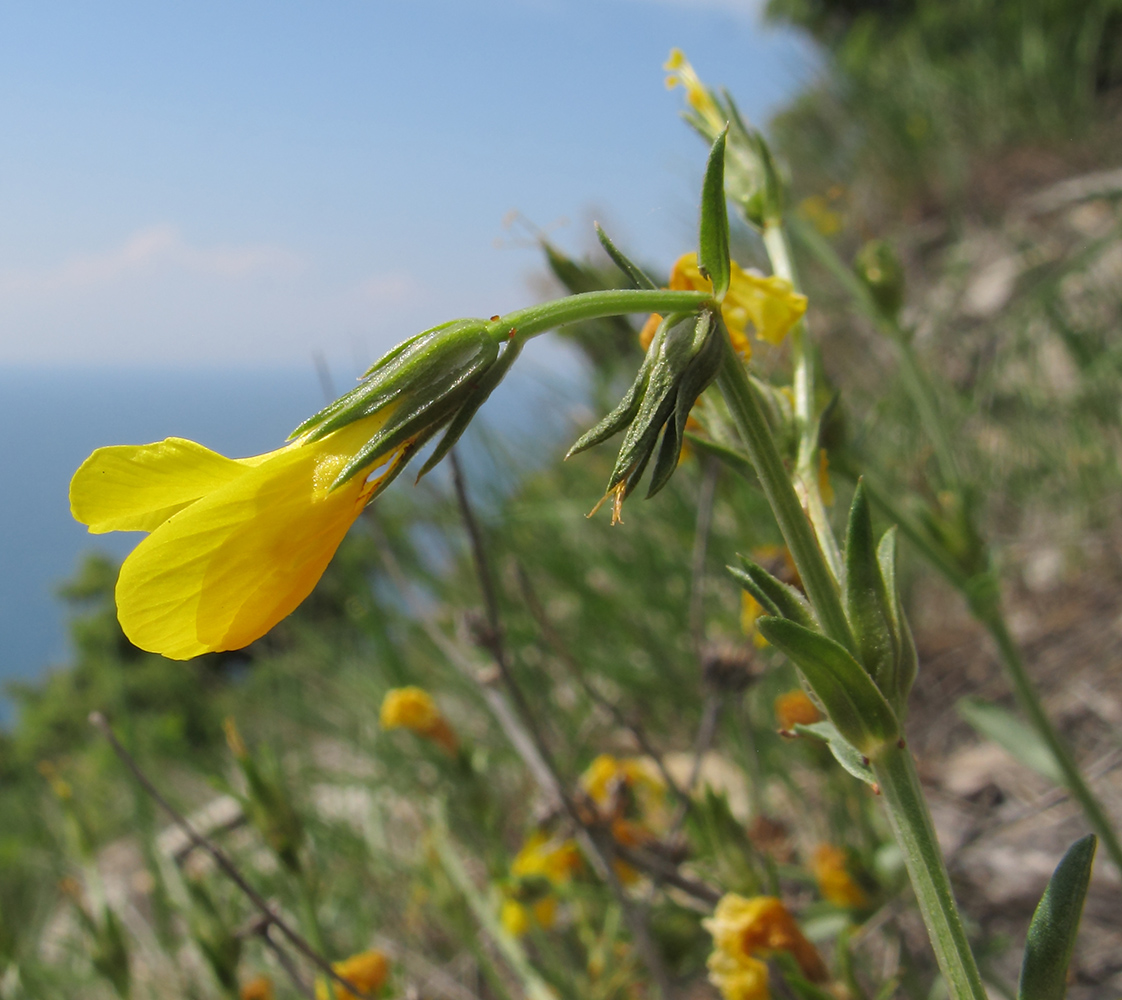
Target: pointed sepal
x=635 y=274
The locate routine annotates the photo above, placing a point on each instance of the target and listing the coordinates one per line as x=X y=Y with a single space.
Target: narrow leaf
x=845 y=753
x=852 y=700
x=713 y=238
x=1010 y=733
x=787 y=600
x=1051 y=936
x=866 y=597
x=637 y=275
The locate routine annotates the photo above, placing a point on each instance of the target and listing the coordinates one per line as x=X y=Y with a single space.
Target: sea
x=53 y=417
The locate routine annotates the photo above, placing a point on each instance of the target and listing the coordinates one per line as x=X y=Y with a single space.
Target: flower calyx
x=435 y=380
x=682 y=360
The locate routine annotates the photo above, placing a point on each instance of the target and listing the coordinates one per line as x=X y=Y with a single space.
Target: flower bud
x=432 y=381
x=682 y=360
x=413 y=708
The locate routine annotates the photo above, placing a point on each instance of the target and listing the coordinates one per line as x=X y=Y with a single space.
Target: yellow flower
x=367 y=971
x=412 y=708
x=770 y=304
x=795 y=709
x=650 y=328
x=817 y=211
x=235 y=544
x=607 y=773
x=742 y=978
x=548 y=857
x=746 y=928
x=517 y=918
x=750 y=610
x=833 y=878
x=258 y=988
x=681 y=73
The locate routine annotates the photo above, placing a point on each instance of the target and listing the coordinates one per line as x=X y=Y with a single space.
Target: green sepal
x=699 y=374
x=625 y=411
x=635 y=273
x=845 y=753
x=1055 y=924
x=713 y=235
x=426 y=371
x=851 y=699
x=671 y=358
x=479 y=395
x=384 y=368
x=780 y=599
x=866 y=598
x=907 y=659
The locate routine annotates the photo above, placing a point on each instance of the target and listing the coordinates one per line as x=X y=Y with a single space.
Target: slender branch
x=705 y=500
x=705 y=732
x=592 y=841
x=99 y=722
x=554 y=640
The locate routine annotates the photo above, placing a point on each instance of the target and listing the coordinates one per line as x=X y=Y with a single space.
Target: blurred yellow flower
x=556 y=860
x=831 y=872
x=606 y=775
x=549 y=861
x=650 y=328
x=794 y=708
x=817 y=211
x=258 y=988
x=681 y=73
x=770 y=304
x=750 y=610
x=367 y=971
x=235 y=544
x=739 y=978
x=413 y=708
x=747 y=928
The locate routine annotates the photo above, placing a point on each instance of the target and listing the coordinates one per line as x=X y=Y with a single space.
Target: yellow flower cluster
x=367 y=971
x=770 y=304
x=234 y=545
x=630 y=795
x=831 y=872
x=744 y=930
x=258 y=988
x=543 y=859
x=413 y=708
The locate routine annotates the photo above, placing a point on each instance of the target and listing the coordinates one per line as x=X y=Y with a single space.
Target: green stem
x=915 y=833
x=821 y=585
x=1030 y=704
x=806 y=465
x=594 y=305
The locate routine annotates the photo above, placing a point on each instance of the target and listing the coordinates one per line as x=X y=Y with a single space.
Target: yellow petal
x=223 y=571
x=138 y=487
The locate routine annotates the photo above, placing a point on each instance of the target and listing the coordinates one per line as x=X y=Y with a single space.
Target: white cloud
x=156 y=298
x=146 y=250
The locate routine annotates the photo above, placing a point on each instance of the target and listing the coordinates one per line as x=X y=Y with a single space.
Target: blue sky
x=246 y=183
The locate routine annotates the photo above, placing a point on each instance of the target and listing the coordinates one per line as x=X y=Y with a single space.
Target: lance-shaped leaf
x=866 y=598
x=845 y=753
x=1055 y=924
x=713 y=237
x=637 y=275
x=1010 y=733
x=907 y=660
x=846 y=691
x=776 y=597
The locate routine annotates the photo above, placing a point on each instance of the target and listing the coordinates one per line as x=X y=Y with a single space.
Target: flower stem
x=1030 y=704
x=594 y=305
x=915 y=833
x=806 y=466
x=821 y=585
